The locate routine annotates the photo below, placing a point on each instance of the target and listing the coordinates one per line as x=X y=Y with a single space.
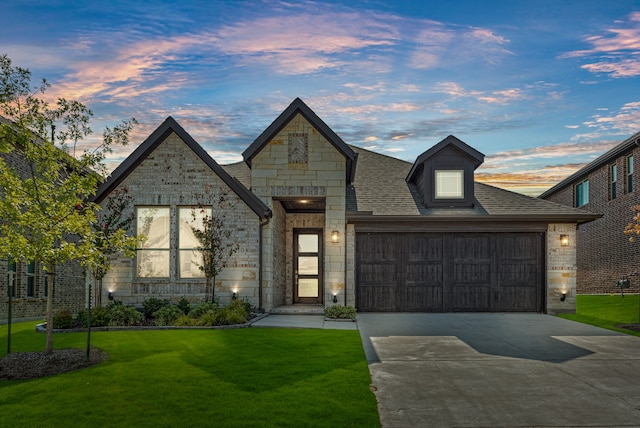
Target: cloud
x=623 y=122
x=616 y=52
x=501 y=96
x=549 y=152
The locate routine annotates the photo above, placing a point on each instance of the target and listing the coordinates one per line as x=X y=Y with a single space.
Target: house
x=30 y=289
x=320 y=222
x=608 y=186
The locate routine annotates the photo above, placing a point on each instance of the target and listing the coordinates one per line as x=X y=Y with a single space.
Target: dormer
x=444 y=174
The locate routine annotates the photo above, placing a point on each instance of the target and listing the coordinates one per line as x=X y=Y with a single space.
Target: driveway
x=500 y=370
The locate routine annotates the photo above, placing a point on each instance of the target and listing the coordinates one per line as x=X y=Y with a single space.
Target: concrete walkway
x=303 y=321
x=500 y=370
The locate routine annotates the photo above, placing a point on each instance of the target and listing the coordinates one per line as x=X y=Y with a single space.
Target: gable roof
x=153 y=141
x=626 y=146
x=380 y=193
x=476 y=156
x=298 y=106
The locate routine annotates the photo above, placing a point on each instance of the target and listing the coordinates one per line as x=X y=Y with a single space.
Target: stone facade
x=174 y=176
x=561 y=269
x=604 y=253
x=274 y=177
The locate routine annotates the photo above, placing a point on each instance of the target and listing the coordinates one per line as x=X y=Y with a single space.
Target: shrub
x=63 y=319
x=99 y=317
x=153 y=305
x=185 y=321
x=340 y=312
x=202 y=308
x=184 y=305
x=235 y=313
x=208 y=319
x=167 y=315
x=124 y=315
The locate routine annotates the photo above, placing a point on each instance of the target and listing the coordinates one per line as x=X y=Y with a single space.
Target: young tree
x=215 y=237
x=633 y=228
x=45 y=214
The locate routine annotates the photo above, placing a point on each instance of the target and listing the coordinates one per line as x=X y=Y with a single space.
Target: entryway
x=307 y=264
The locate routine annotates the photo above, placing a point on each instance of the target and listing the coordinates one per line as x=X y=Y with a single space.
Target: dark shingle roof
x=380 y=189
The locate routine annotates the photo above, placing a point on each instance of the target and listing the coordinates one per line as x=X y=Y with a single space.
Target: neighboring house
x=30 y=288
x=322 y=222
x=609 y=186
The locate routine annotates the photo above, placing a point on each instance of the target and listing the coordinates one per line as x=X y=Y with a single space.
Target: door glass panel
x=307 y=265
x=308 y=287
x=307 y=243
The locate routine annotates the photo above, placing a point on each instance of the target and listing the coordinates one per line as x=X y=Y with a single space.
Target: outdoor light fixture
x=335 y=236
x=335 y=298
x=564 y=240
x=110 y=295
x=564 y=296
x=234 y=296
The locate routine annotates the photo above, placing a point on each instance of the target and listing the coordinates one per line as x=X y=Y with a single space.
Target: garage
x=449 y=272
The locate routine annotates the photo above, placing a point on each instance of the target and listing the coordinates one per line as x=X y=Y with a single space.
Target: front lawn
x=607 y=311
x=192 y=378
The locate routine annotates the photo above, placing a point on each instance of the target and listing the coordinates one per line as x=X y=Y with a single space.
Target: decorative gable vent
x=444 y=174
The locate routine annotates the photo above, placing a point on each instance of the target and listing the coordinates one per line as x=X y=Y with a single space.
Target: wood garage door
x=429 y=272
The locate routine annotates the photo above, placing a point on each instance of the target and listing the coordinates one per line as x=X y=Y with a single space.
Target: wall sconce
x=110 y=295
x=335 y=236
x=234 y=296
x=564 y=240
x=335 y=298
x=564 y=296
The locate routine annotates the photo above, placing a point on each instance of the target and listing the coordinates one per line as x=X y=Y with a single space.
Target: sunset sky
x=540 y=87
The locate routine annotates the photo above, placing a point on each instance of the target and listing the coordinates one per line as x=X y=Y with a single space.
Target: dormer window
x=443 y=175
x=449 y=184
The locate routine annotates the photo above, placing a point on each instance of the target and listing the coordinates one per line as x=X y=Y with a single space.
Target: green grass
x=607 y=311
x=193 y=378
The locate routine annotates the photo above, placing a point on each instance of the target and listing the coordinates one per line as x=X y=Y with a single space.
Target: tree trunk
x=49 y=334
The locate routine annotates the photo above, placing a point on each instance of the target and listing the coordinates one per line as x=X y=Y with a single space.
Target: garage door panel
x=436 y=272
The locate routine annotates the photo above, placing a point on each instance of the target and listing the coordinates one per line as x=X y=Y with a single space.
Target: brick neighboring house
x=321 y=222
x=30 y=286
x=608 y=186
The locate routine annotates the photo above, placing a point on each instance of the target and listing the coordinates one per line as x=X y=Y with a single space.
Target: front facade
x=607 y=186
x=320 y=222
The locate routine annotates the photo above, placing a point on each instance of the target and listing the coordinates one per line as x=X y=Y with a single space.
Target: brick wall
x=604 y=252
x=173 y=175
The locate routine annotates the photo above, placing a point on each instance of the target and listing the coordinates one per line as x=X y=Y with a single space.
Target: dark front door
x=307 y=263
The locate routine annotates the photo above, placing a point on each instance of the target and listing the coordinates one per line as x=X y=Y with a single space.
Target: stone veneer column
x=561 y=269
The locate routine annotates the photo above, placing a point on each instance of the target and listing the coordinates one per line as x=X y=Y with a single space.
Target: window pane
x=307 y=243
x=449 y=184
x=308 y=287
x=190 y=262
x=308 y=265
x=154 y=223
x=153 y=263
x=582 y=193
x=187 y=218
x=629 y=174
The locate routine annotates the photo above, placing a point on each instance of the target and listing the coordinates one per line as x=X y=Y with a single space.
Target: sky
x=539 y=87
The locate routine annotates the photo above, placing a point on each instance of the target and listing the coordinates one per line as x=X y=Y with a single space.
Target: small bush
x=202 y=308
x=167 y=315
x=63 y=319
x=184 y=305
x=99 y=317
x=185 y=321
x=153 y=305
x=124 y=315
x=340 y=312
x=208 y=319
x=235 y=313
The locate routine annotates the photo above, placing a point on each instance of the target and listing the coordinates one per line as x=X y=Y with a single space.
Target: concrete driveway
x=500 y=370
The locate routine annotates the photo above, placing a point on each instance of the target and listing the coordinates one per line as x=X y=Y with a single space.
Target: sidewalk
x=303 y=321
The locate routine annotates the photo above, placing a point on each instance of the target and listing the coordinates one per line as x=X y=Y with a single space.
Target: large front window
x=153 y=259
x=582 y=193
x=190 y=256
x=449 y=184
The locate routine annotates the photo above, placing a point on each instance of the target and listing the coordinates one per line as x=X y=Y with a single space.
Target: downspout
x=262 y=225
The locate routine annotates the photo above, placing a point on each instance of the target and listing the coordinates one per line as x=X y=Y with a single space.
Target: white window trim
x=458 y=175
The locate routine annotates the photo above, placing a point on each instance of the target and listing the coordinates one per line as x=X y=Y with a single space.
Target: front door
x=307 y=287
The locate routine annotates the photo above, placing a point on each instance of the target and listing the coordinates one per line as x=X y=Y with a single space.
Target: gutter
x=266 y=221
x=571 y=218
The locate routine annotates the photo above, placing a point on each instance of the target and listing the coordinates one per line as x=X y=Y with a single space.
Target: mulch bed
x=32 y=365
x=635 y=327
